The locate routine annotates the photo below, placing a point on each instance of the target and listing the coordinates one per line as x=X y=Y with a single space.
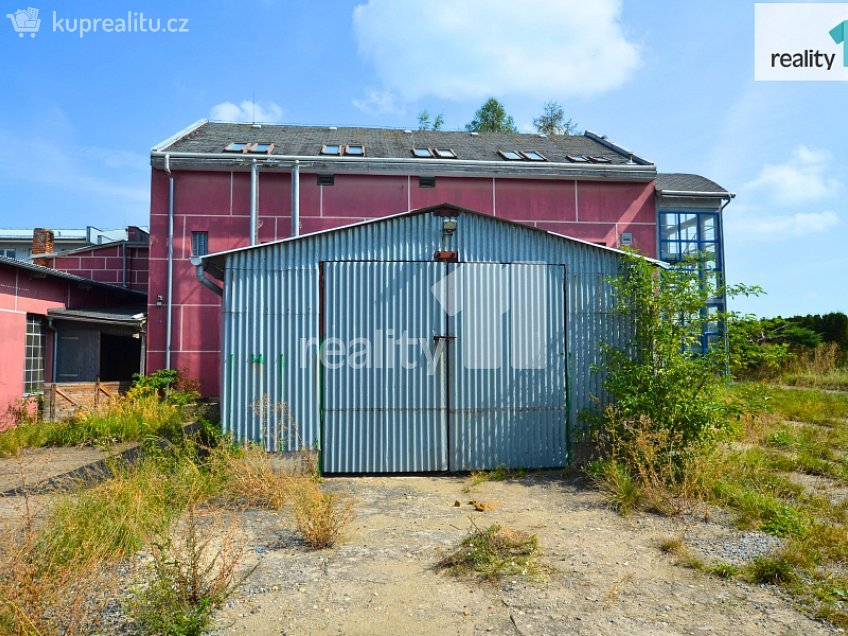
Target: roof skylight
x=445 y=153
x=236 y=146
x=532 y=155
x=355 y=150
x=510 y=155
x=422 y=153
x=263 y=148
x=331 y=149
x=577 y=158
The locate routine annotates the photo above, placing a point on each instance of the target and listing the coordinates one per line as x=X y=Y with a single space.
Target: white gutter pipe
x=295 y=203
x=399 y=160
x=168 y=318
x=254 y=202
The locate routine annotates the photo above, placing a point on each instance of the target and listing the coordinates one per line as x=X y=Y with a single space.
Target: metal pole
x=295 y=205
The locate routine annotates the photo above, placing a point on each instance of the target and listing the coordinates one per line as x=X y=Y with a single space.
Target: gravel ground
x=608 y=575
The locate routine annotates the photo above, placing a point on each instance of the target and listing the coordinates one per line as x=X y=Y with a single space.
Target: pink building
x=217 y=186
x=59 y=327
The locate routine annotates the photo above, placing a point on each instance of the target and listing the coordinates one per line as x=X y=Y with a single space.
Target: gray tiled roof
x=681 y=182
x=306 y=141
x=49 y=271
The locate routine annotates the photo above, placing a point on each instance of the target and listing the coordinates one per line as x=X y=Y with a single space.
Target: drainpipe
x=295 y=206
x=201 y=276
x=254 y=202
x=168 y=319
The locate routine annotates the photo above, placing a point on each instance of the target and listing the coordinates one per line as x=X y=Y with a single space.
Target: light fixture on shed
x=449 y=226
x=159 y=301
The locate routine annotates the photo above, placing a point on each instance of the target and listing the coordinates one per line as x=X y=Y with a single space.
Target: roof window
x=599 y=159
x=237 y=146
x=422 y=153
x=510 y=155
x=577 y=158
x=532 y=155
x=331 y=149
x=261 y=148
x=445 y=153
x=355 y=150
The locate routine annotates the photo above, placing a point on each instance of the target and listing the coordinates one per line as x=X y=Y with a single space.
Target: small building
x=58 y=328
x=439 y=339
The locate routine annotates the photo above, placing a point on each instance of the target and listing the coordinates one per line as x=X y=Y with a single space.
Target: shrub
x=620 y=489
x=192 y=573
x=320 y=516
x=494 y=552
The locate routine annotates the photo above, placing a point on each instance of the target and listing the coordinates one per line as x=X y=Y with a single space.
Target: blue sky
x=672 y=80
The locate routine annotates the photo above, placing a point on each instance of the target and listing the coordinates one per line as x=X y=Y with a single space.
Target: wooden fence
x=64 y=399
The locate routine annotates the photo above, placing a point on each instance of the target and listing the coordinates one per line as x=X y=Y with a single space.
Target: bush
x=192 y=573
x=620 y=489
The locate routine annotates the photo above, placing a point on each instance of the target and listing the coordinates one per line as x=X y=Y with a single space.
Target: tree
x=552 y=121
x=492 y=117
x=424 y=122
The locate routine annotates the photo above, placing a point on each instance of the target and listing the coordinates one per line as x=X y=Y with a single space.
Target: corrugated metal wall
x=272 y=385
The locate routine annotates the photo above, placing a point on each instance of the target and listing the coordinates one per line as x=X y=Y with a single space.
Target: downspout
x=254 y=201
x=295 y=205
x=124 y=264
x=201 y=276
x=168 y=319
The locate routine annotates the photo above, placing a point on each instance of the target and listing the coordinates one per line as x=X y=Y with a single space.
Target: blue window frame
x=688 y=233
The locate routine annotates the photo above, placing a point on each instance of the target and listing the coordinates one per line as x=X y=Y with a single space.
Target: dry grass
x=672 y=545
x=253 y=478
x=494 y=552
x=320 y=516
x=40 y=593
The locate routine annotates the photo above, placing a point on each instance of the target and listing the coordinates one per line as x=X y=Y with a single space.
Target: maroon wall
x=105 y=264
x=219 y=203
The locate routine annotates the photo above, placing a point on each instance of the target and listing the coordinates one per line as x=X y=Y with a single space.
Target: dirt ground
x=608 y=575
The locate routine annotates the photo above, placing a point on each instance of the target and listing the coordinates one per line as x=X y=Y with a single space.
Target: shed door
x=508 y=367
x=384 y=390
x=78 y=355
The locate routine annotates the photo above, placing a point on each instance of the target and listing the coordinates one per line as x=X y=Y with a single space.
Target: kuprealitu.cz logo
x=28 y=22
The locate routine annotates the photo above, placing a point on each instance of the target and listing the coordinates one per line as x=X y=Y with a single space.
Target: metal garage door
x=437 y=366
x=384 y=406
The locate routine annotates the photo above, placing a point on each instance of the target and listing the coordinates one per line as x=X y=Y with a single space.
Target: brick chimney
x=42 y=243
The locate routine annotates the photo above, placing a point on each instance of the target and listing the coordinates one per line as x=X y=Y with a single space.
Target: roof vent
x=407 y=131
x=475 y=134
x=333 y=128
x=542 y=135
x=256 y=125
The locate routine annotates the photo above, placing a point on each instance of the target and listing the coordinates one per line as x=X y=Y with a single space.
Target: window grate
x=199 y=243
x=326 y=179
x=426 y=182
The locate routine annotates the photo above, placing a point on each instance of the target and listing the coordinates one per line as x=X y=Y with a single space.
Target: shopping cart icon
x=25 y=21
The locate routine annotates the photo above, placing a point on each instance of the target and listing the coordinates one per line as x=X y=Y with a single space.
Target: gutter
x=708 y=195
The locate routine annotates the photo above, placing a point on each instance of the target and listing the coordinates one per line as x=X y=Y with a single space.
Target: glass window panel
x=708 y=227
x=532 y=155
x=355 y=150
x=510 y=154
x=422 y=152
x=331 y=149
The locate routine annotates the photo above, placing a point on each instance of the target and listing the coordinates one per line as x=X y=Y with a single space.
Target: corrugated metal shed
x=495 y=396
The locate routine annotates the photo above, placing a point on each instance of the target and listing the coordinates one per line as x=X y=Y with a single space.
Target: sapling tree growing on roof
x=492 y=117
x=552 y=121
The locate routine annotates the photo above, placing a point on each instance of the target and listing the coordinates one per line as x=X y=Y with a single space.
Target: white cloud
x=476 y=48
x=377 y=102
x=802 y=179
x=247 y=111
x=753 y=225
